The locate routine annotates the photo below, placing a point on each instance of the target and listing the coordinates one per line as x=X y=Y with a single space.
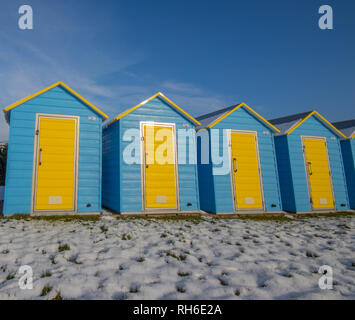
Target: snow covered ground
x=186 y=259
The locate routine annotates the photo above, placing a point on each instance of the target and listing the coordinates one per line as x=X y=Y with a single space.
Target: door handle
x=40 y=157
x=235 y=168
x=146 y=161
x=310 y=171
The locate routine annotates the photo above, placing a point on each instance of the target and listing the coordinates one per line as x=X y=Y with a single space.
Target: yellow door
x=317 y=168
x=245 y=168
x=160 y=181
x=56 y=164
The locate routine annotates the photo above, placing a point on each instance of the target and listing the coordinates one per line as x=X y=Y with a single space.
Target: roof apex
x=64 y=86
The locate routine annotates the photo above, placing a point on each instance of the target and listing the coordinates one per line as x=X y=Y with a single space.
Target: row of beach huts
x=156 y=158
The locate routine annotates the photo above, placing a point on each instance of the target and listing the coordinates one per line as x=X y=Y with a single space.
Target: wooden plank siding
x=348 y=151
x=21 y=144
x=123 y=191
x=222 y=188
x=293 y=172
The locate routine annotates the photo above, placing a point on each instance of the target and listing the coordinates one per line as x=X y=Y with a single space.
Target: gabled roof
x=211 y=119
x=347 y=127
x=289 y=123
x=164 y=98
x=64 y=86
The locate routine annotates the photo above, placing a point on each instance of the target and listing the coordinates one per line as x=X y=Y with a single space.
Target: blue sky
x=204 y=55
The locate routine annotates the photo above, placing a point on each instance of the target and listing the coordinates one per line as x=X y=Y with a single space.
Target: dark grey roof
x=287 y=122
x=209 y=118
x=347 y=127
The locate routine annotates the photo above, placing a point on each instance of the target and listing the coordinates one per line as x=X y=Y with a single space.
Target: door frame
x=303 y=138
x=35 y=162
x=142 y=124
x=235 y=205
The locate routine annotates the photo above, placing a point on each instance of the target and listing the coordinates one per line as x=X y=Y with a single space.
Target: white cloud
x=185 y=88
x=25 y=69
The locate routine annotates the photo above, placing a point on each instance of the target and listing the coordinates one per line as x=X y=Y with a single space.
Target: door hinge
x=37 y=132
x=142 y=138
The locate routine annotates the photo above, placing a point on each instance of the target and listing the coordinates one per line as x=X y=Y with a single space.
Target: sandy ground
x=186 y=259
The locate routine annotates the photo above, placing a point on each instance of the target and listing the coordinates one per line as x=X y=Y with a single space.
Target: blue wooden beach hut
x=310 y=164
x=237 y=162
x=54 y=154
x=348 y=150
x=149 y=160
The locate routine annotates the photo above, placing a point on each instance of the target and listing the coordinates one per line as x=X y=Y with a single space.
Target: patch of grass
x=163 y=235
x=64 y=247
x=55 y=218
x=153 y=218
x=183 y=274
x=140 y=259
x=74 y=260
x=134 y=289
x=126 y=237
x=46 y=289
x=180 y=289
x=46 y=274
x=311 y=255
x=287 y=275
x=103 y=229
x=6 y=251
x=265 y=218
x=340 y=214
x=223 y=282
x=10 y=276
x=180 y=257
x=58 y=296
x=237 y=292
x=53 y=260
x=343 y=226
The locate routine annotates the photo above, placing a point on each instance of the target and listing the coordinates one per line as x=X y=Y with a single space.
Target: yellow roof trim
x=322 y=118
x=353 y=136
x=294 y=127
x=160 y=95
x=59 y=83
x=250 y=109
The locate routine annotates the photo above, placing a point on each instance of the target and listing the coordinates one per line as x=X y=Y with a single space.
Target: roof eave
x=322 y=119
x=63 y=85
x=250 y=110
x=168 y=101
